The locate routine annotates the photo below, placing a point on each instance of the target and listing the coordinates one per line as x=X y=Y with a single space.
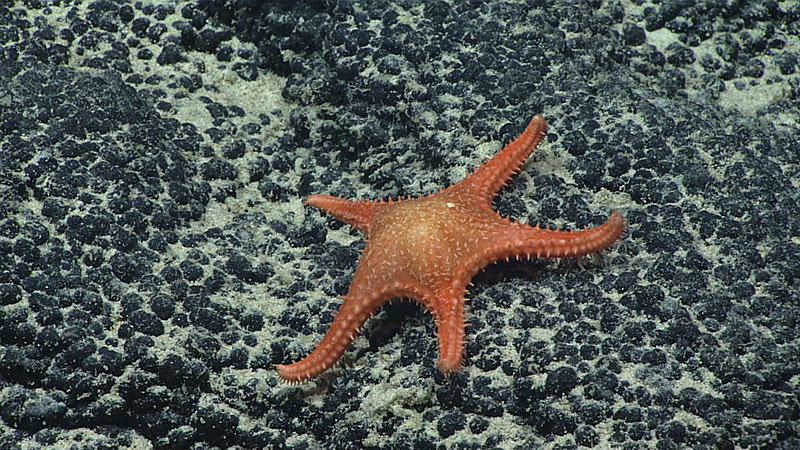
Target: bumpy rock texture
x=155 y=259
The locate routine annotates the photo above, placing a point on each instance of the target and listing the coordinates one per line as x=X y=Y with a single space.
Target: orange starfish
x=429 y=248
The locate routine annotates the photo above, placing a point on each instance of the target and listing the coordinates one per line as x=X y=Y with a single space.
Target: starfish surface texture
x=429 y=248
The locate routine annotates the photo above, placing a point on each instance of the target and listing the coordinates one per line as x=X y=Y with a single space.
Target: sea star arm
x=355 y=310
x=492 y=176
x=358 y=214
x=451 y=326
x=523 y=240
x=515 y=240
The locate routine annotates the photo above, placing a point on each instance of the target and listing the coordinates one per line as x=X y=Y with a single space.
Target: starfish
x=429 y=248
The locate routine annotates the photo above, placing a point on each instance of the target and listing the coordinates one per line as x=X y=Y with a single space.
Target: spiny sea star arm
x=451 y=326
x=355 y=310
x=516 y=240
x=358 y=214
x=492 y=176
x=534 y=242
